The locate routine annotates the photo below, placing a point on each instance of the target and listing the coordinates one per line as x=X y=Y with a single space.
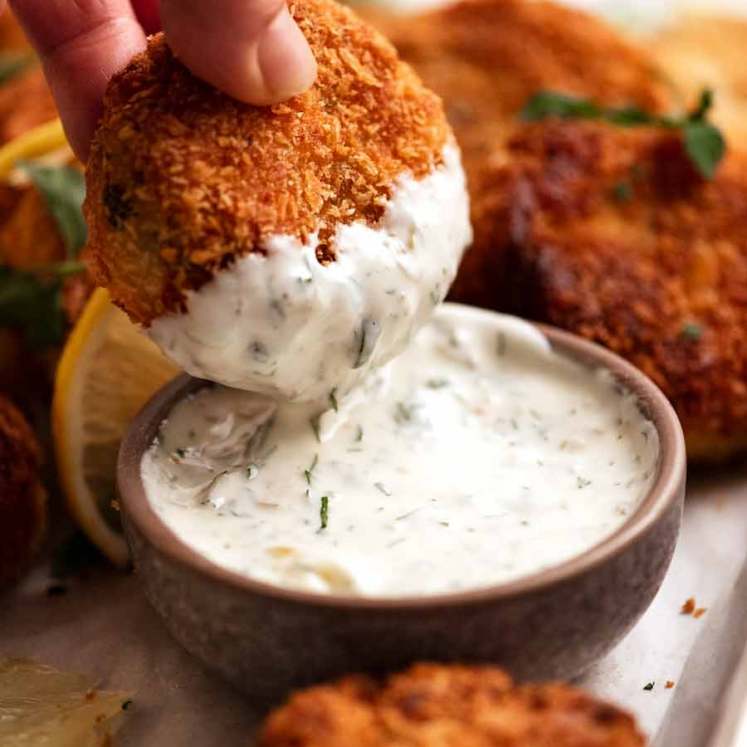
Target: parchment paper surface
x=104 y=626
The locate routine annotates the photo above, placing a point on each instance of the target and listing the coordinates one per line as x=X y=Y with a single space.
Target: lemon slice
x=37 y=142
x=42 y=706
x=108 y=370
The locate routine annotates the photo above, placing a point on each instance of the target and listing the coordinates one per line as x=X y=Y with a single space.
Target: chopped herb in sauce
x=365 y=341
x=333 y=399
x=623 y=191
x=308 y=472
x=358 y=434
x=437 y=383
x=252 y=471
x=323 y=512
x=315 y=426
x=582 y=483
x=404 y=413
x=382 y=488
x=649 y=686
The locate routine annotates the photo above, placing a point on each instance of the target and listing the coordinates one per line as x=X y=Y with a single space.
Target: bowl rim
x=665 y=491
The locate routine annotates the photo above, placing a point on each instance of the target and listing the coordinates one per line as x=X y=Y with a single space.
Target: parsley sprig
x=31 y=299
x=704 y=143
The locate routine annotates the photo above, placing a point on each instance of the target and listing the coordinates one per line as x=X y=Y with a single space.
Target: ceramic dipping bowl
x=552 y=624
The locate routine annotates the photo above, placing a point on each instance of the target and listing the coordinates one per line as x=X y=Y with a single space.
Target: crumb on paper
x=669 y=685
x=690 y=607
x=649 y=686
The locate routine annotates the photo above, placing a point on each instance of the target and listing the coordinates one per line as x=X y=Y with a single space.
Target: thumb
x=251 y=49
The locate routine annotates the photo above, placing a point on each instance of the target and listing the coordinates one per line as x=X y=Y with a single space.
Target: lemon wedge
x=42 y=706
x=37 y=142
x=107 y=371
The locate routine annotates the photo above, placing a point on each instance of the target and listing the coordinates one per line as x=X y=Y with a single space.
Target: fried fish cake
x=487 y=58
x=432 y=705
x=22 y=498
x=612 y=234
x=239 y=235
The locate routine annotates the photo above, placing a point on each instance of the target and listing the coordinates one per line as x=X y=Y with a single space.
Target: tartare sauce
x=475 y=457
x=283 y=324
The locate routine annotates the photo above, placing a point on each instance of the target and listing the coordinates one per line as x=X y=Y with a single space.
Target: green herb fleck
x=12 y=65
x=502 y=344
x=358 y=434
x=649 y=686
x=437 y=383
x=333 y=399
x=404 y=413
x=315 y=426
x=180 y=453
x=126 y=705
x=323 y=512
x=623 y=191
x=582 y=483
x=63 y=189
x=382 y=488
x=252 y=471
x=308 y=472
x=703 y=141
x=691 y=332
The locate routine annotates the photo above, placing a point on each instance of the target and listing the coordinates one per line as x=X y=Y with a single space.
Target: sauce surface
x=475 y=457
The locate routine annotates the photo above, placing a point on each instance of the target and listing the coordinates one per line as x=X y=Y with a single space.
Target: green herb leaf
x=552 y=104
x=12 y=65
x=623 y=191
x=333 y=399
x=63 y=189
x=705 y=147
x=703 y=141
x=649 y=686
x=323 y=512
x=33 y=305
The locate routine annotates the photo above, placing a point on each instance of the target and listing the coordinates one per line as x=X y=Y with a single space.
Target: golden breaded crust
x=708 y=52
x=183 y=179
x=610 y=233
x=433 y=705
x=486 y=58
x=22 y=499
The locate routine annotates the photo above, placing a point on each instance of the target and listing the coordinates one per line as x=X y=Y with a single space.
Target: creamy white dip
x=475 y=457
x=285 y=325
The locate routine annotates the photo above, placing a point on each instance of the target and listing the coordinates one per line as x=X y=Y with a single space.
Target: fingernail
x=285 y=58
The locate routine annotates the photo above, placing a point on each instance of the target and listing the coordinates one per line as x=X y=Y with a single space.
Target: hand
x=251 y=49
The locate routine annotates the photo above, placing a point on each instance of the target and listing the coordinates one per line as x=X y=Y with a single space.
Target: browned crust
x=22 y=499
x=486 y=58
x=448 y=706
x=182 y=179
x=657 y=272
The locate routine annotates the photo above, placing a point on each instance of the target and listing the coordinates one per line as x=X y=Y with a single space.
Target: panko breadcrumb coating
x=611 y=234
x=486 y=58
x=432 y=705
x=183 y=180
x=22 y=498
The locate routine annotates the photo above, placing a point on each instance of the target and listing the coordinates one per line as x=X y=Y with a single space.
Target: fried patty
x=183 y=179
x=433 y=705
x=611 y=234
x=486 y=58
x=22 y=498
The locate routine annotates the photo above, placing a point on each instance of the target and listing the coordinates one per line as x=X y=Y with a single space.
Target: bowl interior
x=665 y=490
